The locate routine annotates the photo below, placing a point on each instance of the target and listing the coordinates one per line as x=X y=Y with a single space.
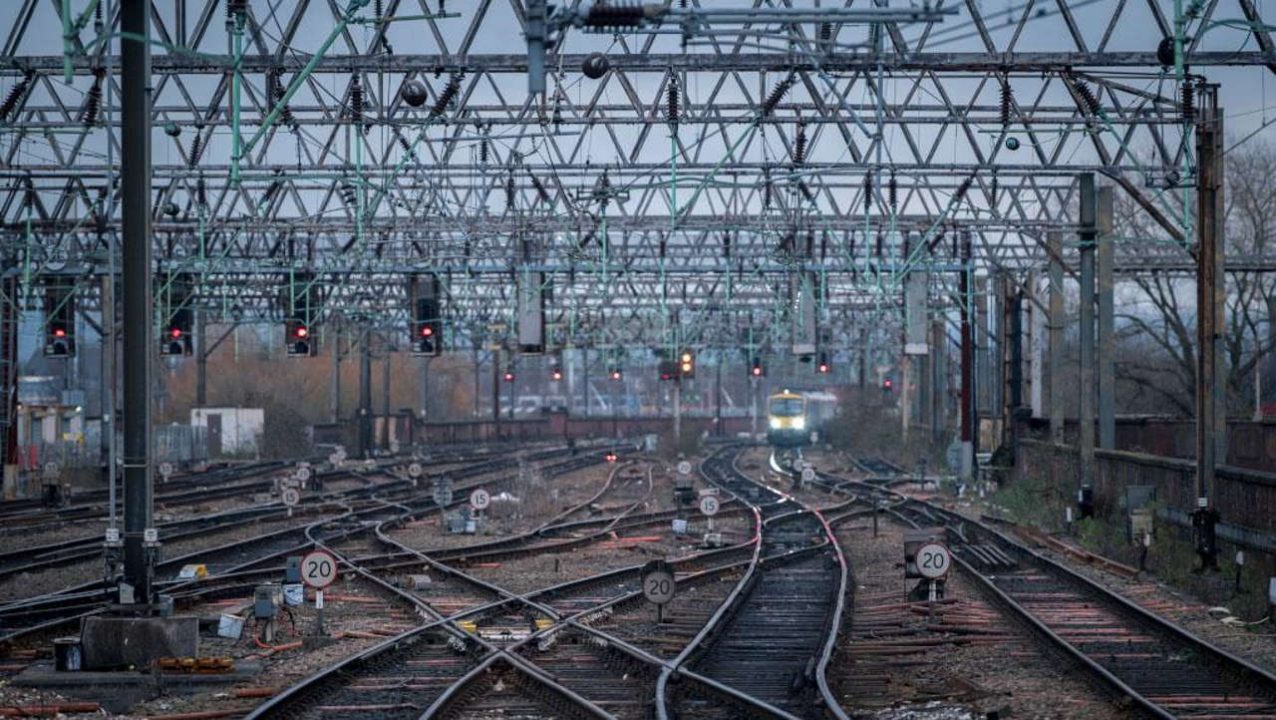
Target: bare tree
x=1160 y=319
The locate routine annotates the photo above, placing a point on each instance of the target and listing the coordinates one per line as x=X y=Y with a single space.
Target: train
x=795 y=418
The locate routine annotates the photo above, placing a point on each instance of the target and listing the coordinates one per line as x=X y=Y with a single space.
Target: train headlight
x=776 y=423
x=799 y=423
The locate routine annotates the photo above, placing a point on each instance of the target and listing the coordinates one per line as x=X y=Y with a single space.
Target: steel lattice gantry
x=366 y=141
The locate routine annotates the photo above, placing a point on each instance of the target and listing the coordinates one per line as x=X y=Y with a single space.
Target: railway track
x=774 y=637
x=477 y=655
x=1138 y=656
x=238 y=558
x=30 y=515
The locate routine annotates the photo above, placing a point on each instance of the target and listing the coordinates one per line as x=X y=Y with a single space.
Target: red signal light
x=824 y=368
x=757 y=371
x=888 y=383
x=427 y=331
x=509 y=377
x=615 y=374
x=302 y=332
x=175 y=333
x=59 y=332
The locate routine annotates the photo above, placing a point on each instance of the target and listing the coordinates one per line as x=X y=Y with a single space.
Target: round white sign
x=290 y=496
x=480 y=499
x=303 y=474
x=658 y=582
x=166 y=469
x=808 y=475
x=933 y=561
x=709 y=505
x=318 y=569
x=415 y=470
x=51 y=469
x=684 y=467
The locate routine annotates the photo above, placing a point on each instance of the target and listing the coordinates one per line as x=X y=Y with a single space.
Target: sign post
x=291 y=497
x=709 y=506
x=479 y=500
x=318 y=570
x=658 y=585
x=933 y=563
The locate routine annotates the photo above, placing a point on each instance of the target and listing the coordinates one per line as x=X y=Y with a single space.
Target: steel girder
x=856 y=164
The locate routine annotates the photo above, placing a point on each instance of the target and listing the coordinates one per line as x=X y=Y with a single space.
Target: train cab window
x=786 y=407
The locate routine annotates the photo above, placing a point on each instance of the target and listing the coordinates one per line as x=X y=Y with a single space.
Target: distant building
x=231 y=430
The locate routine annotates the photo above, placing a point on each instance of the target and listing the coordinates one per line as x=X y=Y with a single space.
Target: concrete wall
x=1250 y=443
x=1246 y=498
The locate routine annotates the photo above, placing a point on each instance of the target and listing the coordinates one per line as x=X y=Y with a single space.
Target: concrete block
x=114 y=642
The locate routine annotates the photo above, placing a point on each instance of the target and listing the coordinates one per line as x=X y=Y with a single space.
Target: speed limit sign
x=808 y=474
x=415 y=470
x=303 y=474
x=684 y=468
x=166 y=469
x=318 y=569
x=933 y=561
x=658 y=582
x=480 y=499
x=291 y=496
x=709 y=505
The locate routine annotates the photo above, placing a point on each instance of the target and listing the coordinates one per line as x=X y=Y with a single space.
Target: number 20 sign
x=318 y=570
x=933 y=561
x=658 y=582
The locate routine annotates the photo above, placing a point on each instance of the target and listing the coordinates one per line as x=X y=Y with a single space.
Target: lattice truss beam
x=690 y=177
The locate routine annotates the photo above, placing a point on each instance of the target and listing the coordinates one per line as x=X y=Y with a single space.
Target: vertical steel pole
x=1210 y=422
x=967 y=363
x=385 y=383
x=425 y=388
x=135 y=188
x=584 y=376
x=1015 y=329
x=1085 y=383
x=939 y=380
x=863 y=378
x=1107 y=322
x=1037 y=343
x=334 y=382
x=1054 y=242
x=365 y=395
x=108 y=383
x=496 y=389
x=677 y=412
x=717 y=397
x=478 y=382
x=201 y=358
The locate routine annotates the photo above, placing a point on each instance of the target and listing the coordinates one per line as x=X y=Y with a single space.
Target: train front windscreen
x=786 y=407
